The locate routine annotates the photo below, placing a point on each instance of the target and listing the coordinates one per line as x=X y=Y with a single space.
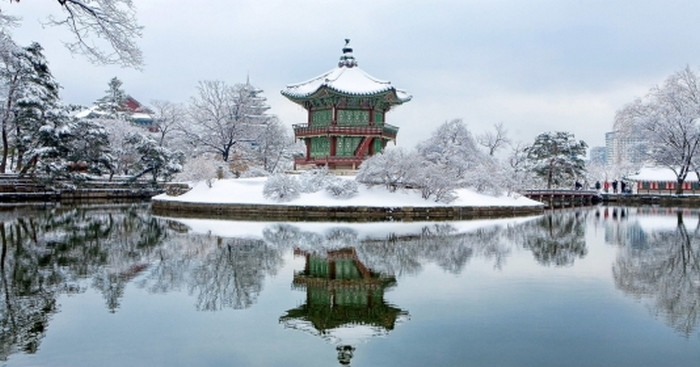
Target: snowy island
x=243 y=199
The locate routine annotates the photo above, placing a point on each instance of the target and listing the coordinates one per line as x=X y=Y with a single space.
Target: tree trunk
x=5 y=149
x=20 y=151
x=679 y=186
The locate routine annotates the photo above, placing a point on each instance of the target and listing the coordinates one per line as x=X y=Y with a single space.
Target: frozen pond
x=115 y=286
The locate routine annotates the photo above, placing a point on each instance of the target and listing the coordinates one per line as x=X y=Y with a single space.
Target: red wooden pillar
x=308 y=148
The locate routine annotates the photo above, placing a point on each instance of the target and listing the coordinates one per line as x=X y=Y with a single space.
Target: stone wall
x=343 y=213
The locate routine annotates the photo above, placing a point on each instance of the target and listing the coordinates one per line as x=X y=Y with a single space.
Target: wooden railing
x=559 y=198
x=304 y=130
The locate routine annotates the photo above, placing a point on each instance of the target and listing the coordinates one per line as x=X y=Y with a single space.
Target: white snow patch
x=250 y=191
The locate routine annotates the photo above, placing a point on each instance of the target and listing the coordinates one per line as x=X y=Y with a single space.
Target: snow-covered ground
x=250 y=191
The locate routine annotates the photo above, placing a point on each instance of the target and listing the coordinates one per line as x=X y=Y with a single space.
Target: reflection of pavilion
x=344 y=301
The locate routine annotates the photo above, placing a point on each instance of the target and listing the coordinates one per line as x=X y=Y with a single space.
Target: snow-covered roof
x=659 y=174
x=141 y=116
x=347 y=79
x=89 y=112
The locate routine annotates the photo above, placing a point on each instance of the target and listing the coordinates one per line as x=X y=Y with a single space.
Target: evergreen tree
x=113 y=101
x=154 y=159
x=11 y=78
x=557 y=158
x=37 y=102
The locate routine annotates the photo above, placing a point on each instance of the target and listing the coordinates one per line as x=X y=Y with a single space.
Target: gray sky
x=533 y=65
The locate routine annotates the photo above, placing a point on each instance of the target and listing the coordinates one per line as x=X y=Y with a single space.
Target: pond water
x=116 y=286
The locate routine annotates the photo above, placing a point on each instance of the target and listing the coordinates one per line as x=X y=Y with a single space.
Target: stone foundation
x=338 y=213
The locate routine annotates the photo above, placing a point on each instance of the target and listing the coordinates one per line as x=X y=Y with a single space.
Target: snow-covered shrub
x=392 y=168
x=342 y=189
x=281 y=188
x=255 y=171
x=433 y=182
x=203 y=167
x=488 y=178
x=315 y=180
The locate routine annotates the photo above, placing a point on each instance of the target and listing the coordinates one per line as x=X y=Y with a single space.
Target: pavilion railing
x=386 y=130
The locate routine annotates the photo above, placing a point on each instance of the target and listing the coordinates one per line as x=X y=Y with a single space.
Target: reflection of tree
x=232 y=275
x=28 y=292
x=667 y=269
x=555 y=239
x=45 y=254
x=401 y=254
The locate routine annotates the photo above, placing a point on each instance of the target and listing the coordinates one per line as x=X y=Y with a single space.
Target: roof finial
x=347 y=59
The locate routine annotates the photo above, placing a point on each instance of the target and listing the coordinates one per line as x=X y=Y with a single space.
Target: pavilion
x=346 y=120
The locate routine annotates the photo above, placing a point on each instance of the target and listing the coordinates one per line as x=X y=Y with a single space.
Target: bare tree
x=493 y=141
x=168 y=119
x=224 y=117
x=112 y=22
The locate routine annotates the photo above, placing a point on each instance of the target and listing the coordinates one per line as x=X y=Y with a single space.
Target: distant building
x=598 y=155
x=346 y=115
x=625 y=149
x=662 y=180
x=136 y=112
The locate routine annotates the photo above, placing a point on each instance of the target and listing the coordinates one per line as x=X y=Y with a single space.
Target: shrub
x=281 y=188
x=342 y=189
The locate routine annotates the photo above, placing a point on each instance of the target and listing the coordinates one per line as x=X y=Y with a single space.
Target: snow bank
x=250 y=191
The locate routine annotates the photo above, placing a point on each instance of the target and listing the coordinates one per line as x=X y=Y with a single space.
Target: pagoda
x=346 y=120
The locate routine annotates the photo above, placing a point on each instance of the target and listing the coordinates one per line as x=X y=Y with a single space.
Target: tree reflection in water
x=661 y=262
x=67 y=250
x=48 y=253
x=557 y=238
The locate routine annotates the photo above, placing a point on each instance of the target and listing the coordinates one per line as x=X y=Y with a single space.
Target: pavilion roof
x=346 y=79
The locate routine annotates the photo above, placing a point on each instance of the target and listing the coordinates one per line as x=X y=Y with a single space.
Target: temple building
x=346 y=121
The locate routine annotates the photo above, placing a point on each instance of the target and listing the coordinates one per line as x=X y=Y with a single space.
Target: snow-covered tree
x=13 y=72
x=123 y=153
x=224 y=118
x=158 y=161
x=452 y=147
x=272 y=145
x=281 y=188
x=37 y=98
x=557 y=158
x=69 y=142
x=392 y=168
x=203 y=167
x=111 y=104
x=668 y=117
x=112 y=22
x=428 y=177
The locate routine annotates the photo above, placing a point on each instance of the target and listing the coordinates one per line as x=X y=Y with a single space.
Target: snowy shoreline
x=243 y=199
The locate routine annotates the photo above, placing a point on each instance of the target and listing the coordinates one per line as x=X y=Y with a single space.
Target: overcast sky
x=533 y=65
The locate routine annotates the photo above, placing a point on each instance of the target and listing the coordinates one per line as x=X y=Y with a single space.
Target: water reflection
x=48 y=253
x=344 y=300
x=348 y=269
x=659 y=259
x=556 y=238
